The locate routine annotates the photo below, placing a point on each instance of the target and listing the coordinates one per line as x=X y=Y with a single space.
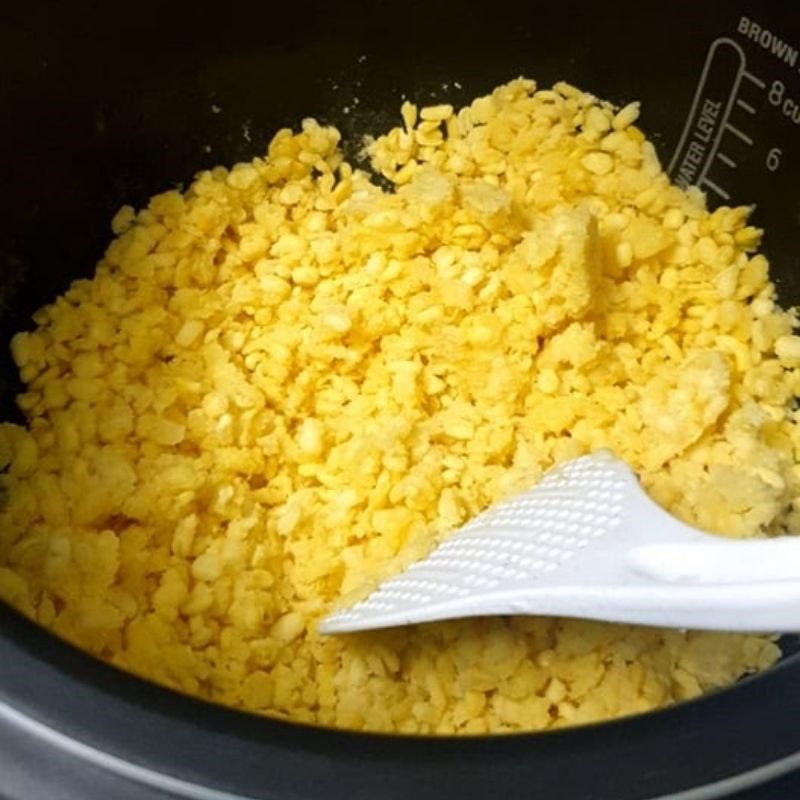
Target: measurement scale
x=720 y=115
x=724 y=129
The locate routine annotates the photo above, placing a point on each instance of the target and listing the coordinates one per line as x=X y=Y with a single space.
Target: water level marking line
x=726 y=160
x=714 y=188
x=739 y=134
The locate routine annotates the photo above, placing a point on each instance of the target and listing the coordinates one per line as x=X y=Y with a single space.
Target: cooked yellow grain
x=284 y=384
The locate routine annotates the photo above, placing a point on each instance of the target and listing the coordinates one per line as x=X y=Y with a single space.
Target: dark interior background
x=105 y=103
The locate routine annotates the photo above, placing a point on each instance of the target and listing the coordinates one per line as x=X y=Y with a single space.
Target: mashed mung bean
x=286 y=381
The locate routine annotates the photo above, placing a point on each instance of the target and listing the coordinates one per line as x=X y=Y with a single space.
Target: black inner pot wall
x=103 y=106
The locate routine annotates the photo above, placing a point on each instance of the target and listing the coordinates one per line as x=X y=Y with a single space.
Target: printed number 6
x=774 y=159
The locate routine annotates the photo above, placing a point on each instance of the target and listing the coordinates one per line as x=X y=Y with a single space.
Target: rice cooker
x=105 y=104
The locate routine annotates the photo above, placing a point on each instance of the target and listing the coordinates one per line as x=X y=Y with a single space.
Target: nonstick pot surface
x=105 y=106
x=160 y=740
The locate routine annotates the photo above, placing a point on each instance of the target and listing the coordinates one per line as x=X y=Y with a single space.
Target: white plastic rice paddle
x=588 y=542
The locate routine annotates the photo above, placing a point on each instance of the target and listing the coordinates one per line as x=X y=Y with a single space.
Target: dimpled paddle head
x=516 y=542
x=588 y=542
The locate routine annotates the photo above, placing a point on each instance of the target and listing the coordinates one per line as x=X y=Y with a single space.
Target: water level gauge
x=721 y=121
x=740 y=143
